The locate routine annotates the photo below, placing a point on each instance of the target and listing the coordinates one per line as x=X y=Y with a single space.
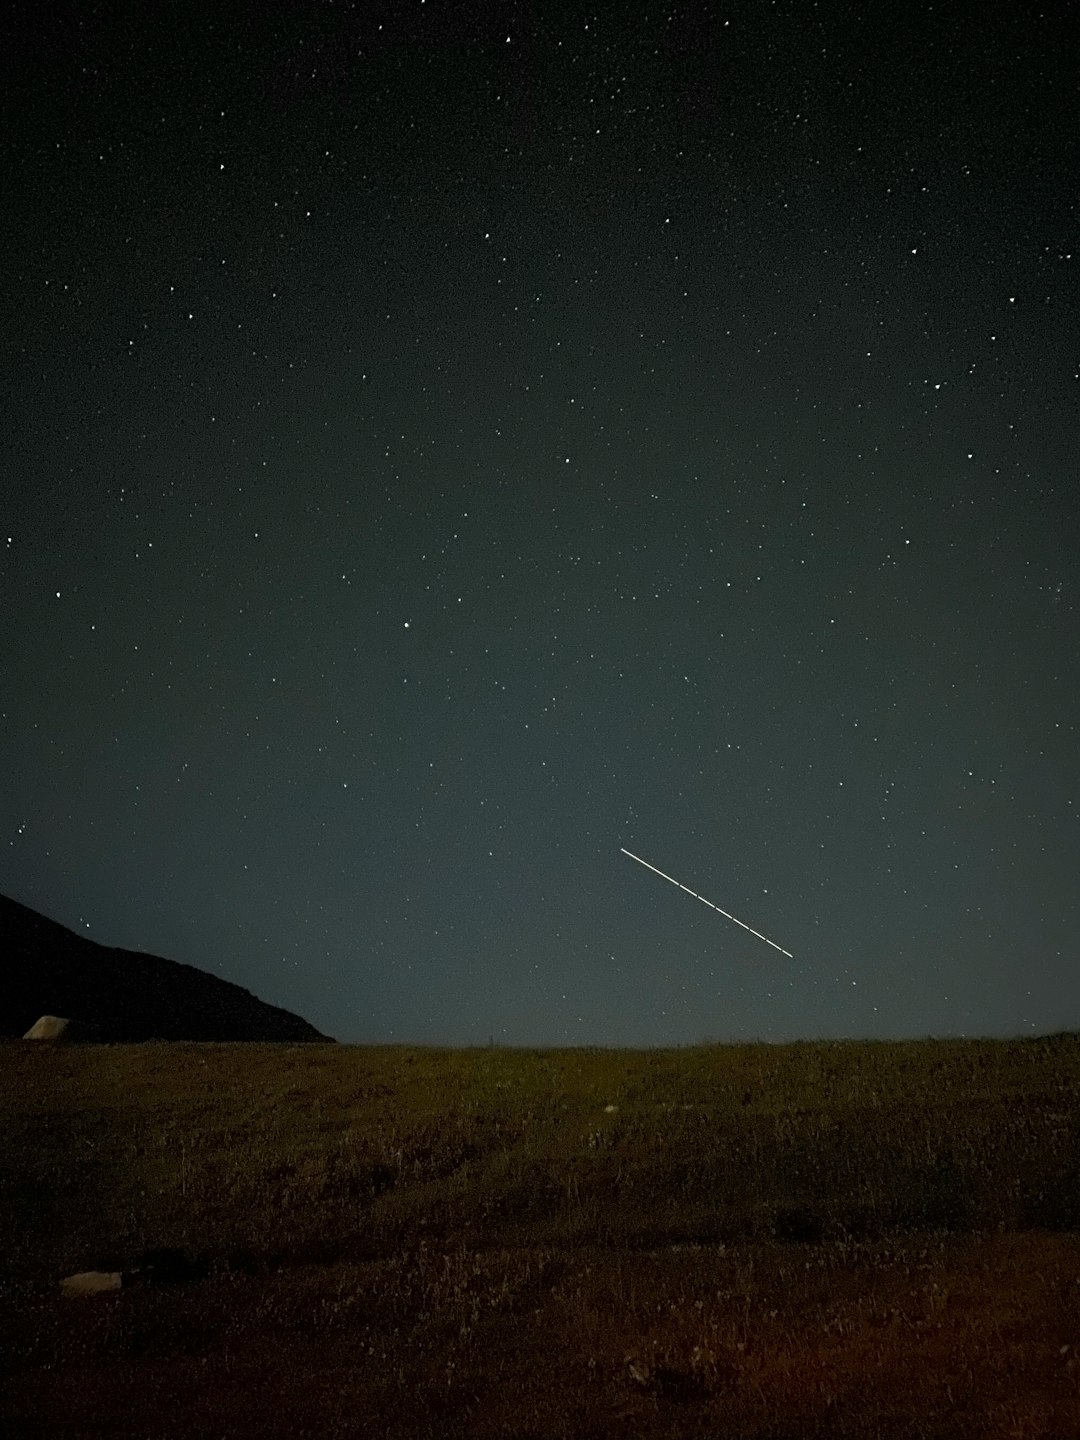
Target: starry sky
x=444 y=443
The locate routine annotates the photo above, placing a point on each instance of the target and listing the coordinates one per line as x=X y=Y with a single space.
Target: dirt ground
x=977 y=1336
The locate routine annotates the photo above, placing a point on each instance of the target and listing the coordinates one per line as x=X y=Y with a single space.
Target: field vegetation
x=768 y=1242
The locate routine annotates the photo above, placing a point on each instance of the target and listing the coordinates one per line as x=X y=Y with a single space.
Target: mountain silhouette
x=116 y=996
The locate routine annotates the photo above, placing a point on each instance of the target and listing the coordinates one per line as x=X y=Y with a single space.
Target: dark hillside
x=115 y=995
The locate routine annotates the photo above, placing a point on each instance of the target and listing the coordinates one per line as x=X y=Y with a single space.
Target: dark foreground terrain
x=770 y=1243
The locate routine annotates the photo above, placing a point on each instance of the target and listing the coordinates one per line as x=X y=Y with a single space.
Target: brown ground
x=411 y=1244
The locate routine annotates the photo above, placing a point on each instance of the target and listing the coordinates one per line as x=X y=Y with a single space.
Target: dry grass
x=809 y=1240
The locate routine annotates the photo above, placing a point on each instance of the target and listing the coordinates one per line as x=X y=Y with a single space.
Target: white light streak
x=710 y=904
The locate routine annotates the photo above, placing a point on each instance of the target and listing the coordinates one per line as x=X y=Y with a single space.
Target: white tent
x=49 y=1027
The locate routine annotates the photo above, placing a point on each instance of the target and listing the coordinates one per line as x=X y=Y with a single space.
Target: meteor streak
x=706 y=902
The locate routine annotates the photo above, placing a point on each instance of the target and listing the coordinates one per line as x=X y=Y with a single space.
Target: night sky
x=444 y=443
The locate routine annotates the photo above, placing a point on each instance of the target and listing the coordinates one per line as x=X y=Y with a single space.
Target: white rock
x=92 y=1282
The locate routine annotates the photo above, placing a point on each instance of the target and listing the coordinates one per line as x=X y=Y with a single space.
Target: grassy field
x=764 y=1242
